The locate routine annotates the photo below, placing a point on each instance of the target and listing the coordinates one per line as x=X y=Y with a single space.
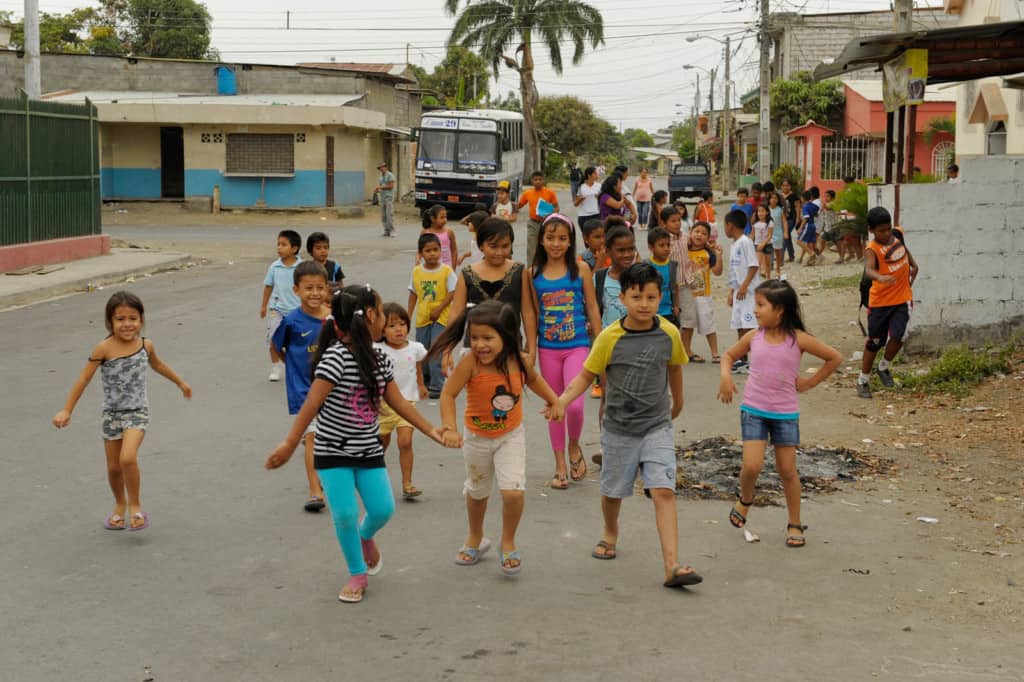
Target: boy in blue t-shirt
x=743 y=204
x=297 y=338
x=659 y=241
x=318 y=246
x=279 y=299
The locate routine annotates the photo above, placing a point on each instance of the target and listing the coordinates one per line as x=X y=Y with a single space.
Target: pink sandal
x=356 y=582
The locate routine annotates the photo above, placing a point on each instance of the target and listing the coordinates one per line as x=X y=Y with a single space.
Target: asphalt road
x=234 y=581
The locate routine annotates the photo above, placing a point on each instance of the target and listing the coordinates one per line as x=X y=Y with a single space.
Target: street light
x=726 y=112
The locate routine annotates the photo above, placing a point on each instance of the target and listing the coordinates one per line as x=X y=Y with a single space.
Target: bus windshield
x=436 y=147
x=478 y=152
x=466 y=152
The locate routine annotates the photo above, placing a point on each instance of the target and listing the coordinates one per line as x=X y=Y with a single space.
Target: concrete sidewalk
x=119 y=265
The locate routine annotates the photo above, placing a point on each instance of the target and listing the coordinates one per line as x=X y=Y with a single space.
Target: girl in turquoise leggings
x=350 y=378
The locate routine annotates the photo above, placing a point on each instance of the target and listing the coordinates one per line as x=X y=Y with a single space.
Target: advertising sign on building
x=904 y=79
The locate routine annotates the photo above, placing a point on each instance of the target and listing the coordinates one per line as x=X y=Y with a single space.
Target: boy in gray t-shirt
x=643 y=357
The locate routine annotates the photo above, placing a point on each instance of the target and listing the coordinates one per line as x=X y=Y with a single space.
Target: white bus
x=462 y=156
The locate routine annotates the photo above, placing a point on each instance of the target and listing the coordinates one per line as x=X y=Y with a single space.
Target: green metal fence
x=49 y=170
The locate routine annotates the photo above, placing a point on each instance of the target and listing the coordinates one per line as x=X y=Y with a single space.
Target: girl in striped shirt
x=350 y=378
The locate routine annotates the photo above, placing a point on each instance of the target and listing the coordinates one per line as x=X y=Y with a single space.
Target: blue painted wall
x=130 y=183
x=306 y=188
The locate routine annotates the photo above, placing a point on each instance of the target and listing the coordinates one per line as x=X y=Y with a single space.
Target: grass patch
x=846 y=282
x=959 y=368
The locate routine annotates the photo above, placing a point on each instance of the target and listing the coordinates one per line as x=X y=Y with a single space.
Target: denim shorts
x=652 y=455
x=782 y=431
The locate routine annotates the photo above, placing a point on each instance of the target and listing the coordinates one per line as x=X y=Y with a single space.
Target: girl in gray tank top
x=122 y=358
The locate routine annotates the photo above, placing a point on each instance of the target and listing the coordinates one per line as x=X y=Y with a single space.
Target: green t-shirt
x=386 y=178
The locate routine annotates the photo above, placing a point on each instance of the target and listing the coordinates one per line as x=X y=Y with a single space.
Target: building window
x=942 y=156
x=260 y=154
x=995 y=142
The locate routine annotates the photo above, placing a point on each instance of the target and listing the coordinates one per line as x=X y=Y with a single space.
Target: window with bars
x=260 y=154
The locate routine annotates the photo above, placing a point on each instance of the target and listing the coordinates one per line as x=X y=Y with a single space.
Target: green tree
x=567 y=124
x=176 y=29
x=799 y=99
x=683 y=141
x=69 y=32
x=635 y=137
x=510 y=103
x=460 y=80
x=494 y=26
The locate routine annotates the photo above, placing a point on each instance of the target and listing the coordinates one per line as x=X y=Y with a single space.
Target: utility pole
x=696 y=113
x=711 y=91
x=287 y=20
x=33 y=85
x=764 y=150
x=727 y=125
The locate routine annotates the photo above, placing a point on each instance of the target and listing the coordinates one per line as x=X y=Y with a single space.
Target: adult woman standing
x=643 y=190
x=586 y=197
x=610 y=201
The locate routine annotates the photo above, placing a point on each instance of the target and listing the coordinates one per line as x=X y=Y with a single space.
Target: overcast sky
x=635 y=80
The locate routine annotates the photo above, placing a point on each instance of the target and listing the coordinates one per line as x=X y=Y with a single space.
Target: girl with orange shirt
x=493 y=374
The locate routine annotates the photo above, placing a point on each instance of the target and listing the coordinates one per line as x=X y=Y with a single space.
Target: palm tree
x=493 y=26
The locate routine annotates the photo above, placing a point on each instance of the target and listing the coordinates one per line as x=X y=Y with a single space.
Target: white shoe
x=276 y=371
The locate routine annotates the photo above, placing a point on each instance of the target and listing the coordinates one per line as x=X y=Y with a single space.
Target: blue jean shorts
x=652 y=455
x=782 y=431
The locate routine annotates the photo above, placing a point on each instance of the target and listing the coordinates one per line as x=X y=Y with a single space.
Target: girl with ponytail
x=350 y=378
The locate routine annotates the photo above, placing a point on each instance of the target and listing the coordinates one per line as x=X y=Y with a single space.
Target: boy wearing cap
x=386 y=187
x=503 y=207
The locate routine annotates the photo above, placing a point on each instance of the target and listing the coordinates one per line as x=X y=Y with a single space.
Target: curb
x=43 y=293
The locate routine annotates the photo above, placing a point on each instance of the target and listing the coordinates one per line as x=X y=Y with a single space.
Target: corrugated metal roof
x=393 y=71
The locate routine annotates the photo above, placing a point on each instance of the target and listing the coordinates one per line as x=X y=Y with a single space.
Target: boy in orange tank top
x=888 y=263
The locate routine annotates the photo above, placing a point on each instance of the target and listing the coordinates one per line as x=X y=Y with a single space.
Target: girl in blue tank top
x=568 y=317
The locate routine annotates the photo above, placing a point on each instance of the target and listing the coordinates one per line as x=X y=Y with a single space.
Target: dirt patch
x=709 y=469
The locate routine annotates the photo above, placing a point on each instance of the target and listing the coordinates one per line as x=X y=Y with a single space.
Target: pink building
x=865 y=116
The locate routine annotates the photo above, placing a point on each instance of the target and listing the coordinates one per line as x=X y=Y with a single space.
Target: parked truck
x=688 y=180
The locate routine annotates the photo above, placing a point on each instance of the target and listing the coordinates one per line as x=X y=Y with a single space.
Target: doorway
x=172 y=163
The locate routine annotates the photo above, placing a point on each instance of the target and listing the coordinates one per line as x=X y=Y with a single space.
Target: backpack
x=866 y=282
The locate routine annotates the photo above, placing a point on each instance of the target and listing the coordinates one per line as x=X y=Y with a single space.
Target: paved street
x=234 y=581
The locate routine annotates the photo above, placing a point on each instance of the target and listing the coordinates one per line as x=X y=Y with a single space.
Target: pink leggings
x=559 y=367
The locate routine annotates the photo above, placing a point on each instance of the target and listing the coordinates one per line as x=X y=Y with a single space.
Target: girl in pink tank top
x=770 y=407
x=435 y=221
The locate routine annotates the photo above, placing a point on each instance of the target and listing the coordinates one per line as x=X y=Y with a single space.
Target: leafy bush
x=854 y=200
x=787 y=171
x=959 y=368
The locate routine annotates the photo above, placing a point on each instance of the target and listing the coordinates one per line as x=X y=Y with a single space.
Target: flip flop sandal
x=137 y=516
x=369 y=546
x=699 y=359
x=112 y=520
x=715 y=359
x=574 y=465
x=474 y=553
x=795 y=540
x=511 y=556
x=688 y=577
x=559 y=482
x=609 y=551
x=737 y=519
x=356 y=582
x=314 y=504
x=409 y=492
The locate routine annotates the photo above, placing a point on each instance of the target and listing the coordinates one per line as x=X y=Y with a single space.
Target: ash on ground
x=710 y=469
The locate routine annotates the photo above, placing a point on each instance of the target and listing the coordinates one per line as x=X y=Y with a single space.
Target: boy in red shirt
x=533 y=197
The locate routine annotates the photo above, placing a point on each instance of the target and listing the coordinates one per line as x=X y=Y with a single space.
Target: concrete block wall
x=90 y=72
x=968 y=240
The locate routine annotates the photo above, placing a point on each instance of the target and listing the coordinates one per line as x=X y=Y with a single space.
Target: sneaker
x=782 y=277
x=596 y=392
x=886 y=378
x=388 y=234
x=864 y=391
x=741 y=367
x=434 y=395
x=276 y=371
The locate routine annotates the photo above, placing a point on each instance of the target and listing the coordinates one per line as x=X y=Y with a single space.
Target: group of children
x=353 y=374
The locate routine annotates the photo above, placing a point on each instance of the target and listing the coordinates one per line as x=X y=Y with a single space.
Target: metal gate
x=49 y=170
x=856 y=157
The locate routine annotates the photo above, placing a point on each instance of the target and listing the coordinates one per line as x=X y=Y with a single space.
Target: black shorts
x=671 y=317
x=885 y=323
